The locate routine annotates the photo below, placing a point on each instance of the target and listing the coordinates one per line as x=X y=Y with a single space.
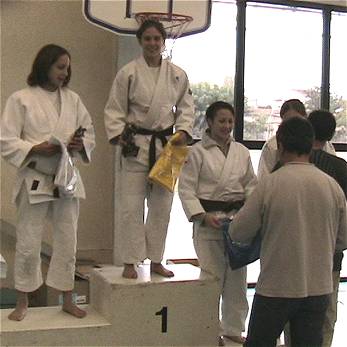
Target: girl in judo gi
x=149 y=100
x=32 y=117
x=214 y=184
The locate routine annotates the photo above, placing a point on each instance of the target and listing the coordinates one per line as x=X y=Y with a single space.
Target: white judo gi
x=30 y=118
x=209 y=175
x=269 y=156
x=139 y=98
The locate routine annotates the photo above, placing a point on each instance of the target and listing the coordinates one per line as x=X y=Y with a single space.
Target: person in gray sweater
x=301 y=214
x=324 y=125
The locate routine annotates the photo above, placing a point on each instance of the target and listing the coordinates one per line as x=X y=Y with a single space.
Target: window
x=279 y=65
x=209 y=60
x=338 y=74
x=283 y=59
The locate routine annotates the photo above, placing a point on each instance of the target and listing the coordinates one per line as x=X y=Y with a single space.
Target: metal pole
x=240 y=69
x=325 y=86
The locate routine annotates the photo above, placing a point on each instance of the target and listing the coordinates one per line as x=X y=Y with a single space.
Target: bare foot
x=129 y=271
x=237 y=339
x=70 y=307
x=18 y=314
x=159 y=269
x=21 y=307
x=74 y=310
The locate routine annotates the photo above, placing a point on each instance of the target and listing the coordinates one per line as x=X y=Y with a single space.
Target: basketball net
x=174 y=25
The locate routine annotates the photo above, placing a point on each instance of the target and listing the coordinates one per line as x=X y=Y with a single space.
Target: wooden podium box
x=157 y=311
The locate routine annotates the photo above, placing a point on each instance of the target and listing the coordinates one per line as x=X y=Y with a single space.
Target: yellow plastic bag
x=169 y=165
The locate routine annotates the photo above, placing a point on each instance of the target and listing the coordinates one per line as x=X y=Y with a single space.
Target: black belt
x=161 y=135
x=225 y=206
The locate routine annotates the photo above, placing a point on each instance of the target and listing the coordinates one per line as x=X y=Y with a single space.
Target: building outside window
x=338 y=74
x=283 y=61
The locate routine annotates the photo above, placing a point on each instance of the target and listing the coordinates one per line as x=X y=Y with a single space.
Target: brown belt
x=225 y=206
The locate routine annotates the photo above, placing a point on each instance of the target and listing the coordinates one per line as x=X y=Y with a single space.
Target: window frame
x=240 y=62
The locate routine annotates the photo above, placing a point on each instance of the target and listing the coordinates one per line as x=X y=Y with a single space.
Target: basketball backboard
x=119 y=15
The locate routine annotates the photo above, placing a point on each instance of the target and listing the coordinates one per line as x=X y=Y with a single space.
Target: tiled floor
x=340 y=335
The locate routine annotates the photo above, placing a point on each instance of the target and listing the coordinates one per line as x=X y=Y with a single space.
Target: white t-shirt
x=54 y=98
x=155 y=70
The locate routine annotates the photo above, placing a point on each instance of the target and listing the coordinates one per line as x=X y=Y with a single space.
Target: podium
x=157 y=311
x=50 y=326
x=149 y=311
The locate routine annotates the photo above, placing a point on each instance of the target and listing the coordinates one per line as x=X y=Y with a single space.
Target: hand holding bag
x=169 y=165
x=240 y=254
x=66 y=174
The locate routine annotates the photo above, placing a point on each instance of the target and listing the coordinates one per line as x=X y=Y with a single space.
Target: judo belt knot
x=161 y=135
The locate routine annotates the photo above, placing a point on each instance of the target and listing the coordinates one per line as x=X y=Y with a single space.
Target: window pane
x=209 y=60
x=338 y=74
x=282 y=61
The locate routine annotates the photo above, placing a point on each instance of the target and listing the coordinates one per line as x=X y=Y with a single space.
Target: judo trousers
x=63 y=213
x=233 y=284
x=141 y=237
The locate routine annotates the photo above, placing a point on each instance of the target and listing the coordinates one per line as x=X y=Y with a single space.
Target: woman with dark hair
x=149 y=100
x=48 y=55
x=36 y=122
x=213 y=185
x=269 y=153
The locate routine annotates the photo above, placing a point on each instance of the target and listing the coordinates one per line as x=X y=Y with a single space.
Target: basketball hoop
x=174 y=24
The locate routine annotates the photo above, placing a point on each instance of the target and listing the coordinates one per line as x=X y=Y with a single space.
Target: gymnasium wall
x=25 y=27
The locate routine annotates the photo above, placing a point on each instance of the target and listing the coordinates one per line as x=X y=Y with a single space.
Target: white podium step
x=148 y=311
x=157 y=311
x=50 y=326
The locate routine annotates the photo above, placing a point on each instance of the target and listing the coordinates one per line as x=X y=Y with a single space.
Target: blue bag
x=240 y=254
